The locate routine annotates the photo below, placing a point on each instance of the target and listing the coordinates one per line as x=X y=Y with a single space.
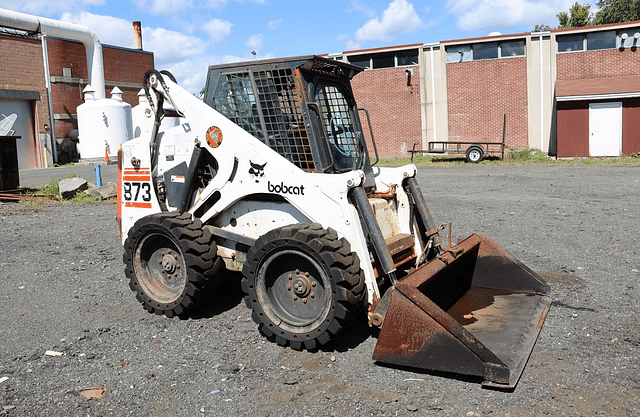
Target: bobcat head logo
x=256 y=171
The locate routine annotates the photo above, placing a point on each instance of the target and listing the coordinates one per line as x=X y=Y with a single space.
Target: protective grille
x=234 y=98
x=283 y=118
x=336 y=116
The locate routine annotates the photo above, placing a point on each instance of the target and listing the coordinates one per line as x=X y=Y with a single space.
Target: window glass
x=339 y=126
x=407 y=57
x=363 y=61
x=569 y=43
x=512 y=48
x=487 y=50
x=601 y=40
x=383 y=61
x=458 y=53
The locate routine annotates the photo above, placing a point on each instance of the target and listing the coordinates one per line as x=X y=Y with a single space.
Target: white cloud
x=167 y=46
x=171 y=46
x=359 y=7
x=215 y=4
x=255 y=42
x=274 y=24
x=48 y=7
x=490 y=14
x=352 y=46
x=399 y=17
x=109 y=30
x=218 y=29
x=163 y=7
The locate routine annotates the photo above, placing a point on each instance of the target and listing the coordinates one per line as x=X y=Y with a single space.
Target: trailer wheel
x=171 y=262
x=475 y=154
x=304 y=285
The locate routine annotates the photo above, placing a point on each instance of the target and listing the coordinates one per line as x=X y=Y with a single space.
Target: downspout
x=47 y=81
x=433 y=97
x=50 y=27
x=541 y=98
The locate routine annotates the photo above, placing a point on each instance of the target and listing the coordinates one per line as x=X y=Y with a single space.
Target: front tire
x=304 y=285
x=171 y=263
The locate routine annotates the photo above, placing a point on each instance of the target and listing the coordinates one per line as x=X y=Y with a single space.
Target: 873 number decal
x=136 y=191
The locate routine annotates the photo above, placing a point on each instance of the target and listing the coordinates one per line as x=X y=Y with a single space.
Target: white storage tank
x=103 y=124
x=143 y=118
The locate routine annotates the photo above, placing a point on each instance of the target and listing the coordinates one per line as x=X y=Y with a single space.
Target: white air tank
x=143 y=118
x=103 y=124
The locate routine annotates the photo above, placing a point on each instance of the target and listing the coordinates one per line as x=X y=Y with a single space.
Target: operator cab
x=303 y=108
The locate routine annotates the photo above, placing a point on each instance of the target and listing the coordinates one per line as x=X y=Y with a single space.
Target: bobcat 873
x=271 y=176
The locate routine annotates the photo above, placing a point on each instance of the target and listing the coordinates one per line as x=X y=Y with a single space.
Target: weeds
x=53 y=188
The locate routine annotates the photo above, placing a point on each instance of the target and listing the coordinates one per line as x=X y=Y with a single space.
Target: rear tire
x=171 y=262
x=304 y=285
x=474 y=154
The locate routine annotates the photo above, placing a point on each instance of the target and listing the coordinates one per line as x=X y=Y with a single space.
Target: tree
x=542 y=28
x=579 y=16
x=617 y=11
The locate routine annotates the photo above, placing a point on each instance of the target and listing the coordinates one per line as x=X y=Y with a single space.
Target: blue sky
x=186 y=36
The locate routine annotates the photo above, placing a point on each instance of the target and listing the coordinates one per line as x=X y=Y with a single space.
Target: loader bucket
x=474 y=310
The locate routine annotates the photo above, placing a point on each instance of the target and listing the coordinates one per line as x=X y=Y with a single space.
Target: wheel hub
x=302 y=285
x=169 y=262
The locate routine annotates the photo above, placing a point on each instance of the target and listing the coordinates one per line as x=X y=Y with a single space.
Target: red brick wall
x=120 y=65
x=394 y=108
x=21 y=68
x=598 y=64
x=480 y=93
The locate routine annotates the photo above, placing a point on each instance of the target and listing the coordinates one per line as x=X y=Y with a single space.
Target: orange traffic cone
x=106 y=154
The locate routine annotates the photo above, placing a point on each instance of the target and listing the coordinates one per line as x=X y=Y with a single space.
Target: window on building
x=458 y=53
x=407 y=57
x=487 y=50
x=385 y=59
x=363 y=61
x=568 y=43
x=511 y=48
x=601 y=40
x=593 y=41
x=626 y=38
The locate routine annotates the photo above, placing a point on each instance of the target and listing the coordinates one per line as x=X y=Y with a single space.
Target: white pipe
x=50 y=27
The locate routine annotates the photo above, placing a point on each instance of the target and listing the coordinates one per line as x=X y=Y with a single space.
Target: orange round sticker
x=214 y=136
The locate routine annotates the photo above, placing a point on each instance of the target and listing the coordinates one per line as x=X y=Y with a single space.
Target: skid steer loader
x=271 y=176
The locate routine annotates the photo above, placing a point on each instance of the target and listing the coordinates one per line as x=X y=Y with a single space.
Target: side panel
x=137 y=193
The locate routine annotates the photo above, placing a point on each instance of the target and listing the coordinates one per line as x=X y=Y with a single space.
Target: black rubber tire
x=304 y=285
x=474 y=154
x=171 y=242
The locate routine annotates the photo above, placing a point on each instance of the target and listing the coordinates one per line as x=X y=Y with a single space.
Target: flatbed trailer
x=474 y=151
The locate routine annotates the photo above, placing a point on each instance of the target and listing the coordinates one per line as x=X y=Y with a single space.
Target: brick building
x=391 y=95
x=570 y=92
x=24 y=78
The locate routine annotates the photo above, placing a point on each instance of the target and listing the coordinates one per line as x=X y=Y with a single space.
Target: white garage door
x=23 y=126
x=605 y=129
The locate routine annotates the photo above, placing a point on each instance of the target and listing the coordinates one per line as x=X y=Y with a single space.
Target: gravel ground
x=63 y=289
